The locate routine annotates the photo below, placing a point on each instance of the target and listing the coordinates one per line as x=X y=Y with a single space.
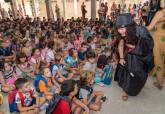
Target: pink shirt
x=77 y=44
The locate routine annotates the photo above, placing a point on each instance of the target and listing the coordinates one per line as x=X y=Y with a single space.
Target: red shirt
x=62 y=108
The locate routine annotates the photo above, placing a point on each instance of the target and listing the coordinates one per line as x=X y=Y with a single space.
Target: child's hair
x=71 y=52
x=90 y=54
x=6 y=62
x=19 y=56
x=42 y=69
x=24 y=42
x=34 y=49
x=51 y=44
x=86 y=76
x=20 y=82
x=57 y=57
x=67 y=87
x=89 y=39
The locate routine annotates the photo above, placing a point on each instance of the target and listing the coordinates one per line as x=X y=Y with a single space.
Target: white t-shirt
x=49 y=56
x=90 y=66
x=27 y=98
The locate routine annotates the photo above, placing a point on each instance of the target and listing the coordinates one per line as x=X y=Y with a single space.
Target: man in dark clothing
x=84 y=11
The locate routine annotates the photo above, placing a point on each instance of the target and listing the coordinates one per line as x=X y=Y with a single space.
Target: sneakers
x=104 y=98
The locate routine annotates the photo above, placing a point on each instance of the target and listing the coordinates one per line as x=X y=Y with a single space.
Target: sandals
x=125 y=97
x=156 y=84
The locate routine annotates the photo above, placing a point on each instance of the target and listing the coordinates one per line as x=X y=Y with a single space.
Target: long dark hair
x=131 y=37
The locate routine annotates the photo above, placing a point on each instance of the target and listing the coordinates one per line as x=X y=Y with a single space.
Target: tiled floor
x=149 y=101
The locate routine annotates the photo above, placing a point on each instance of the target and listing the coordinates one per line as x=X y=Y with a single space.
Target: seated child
x=45 y=85
x=23 y=68
x=59 y=70
x=72 y=61
x=26 y=98
x=90 y=64
x=82 y=51
x=67 y=102
x=102 y=60
x=36 y=59
x=93 y=99
x=9 y=74
x=3 y=86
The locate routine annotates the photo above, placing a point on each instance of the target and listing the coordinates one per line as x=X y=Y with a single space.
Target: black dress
x=132 y=77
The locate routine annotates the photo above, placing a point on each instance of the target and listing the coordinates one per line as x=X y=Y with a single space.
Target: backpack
x=107 y=79
x=55 y=100
x=12 y=102
x=78 y=96
x=36 y=82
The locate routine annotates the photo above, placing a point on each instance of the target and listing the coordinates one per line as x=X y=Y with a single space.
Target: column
x=64 y=9
x=93 y=9
x=14 y=8
x=75 y=8
x=49 y=8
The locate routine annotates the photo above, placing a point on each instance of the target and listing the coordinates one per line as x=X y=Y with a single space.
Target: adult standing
x=105 y=10
x=145 y=10
x=154 y=7
x=158 y=23
x=83 y=10
x=57 y=12
x=136 y=56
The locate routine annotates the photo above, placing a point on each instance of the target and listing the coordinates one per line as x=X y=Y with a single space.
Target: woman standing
x=158 y=26
x=136 y=59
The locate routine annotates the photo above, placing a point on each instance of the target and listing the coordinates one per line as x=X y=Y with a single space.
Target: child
x=9 y=74
x=102 y=60
x=91 y=65
x=23 y=68
x=26 y=98
x=69 y=89
x=36 y=59
x=72 y=60
x=27 y=48
x=3 y=86
x=88 y=96
x=46 y=86
x=59 y=72
x=50 y=52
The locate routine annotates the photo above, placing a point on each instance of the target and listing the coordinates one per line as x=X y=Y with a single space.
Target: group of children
x=38 y=58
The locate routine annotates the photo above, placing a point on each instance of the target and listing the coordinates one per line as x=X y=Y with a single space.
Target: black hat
x=124 y=20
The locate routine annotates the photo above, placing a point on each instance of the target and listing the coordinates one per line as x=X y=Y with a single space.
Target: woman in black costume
x=136 y=56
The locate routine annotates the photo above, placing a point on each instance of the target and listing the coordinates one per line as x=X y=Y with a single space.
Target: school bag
x=36 y=82
x=107 y=77
x=55 y=100
x=12 y=102
x=89 y=89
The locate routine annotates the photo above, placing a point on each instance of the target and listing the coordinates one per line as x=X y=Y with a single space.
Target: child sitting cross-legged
x=93 y=99
x=59 y=70
x=45 y=84
x=26 y=98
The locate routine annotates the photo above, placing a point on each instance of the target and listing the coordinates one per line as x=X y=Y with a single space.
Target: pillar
x=75 y=8
x=14 y=8
x=64 y=9
x=49 y=9
x=93 y=9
